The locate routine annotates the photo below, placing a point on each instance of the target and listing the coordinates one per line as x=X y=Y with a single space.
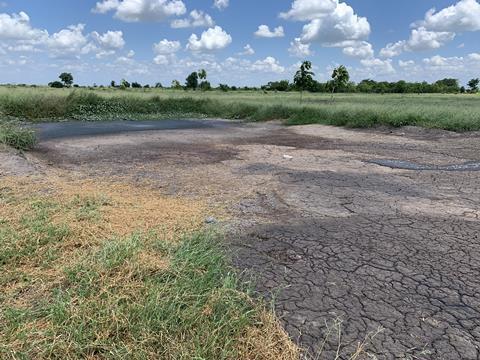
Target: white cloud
x=439 y=62
x=463 y=16
x=162 y=59
x=420 y=39
x=359 y=49
x=474 y=57
x=19 y=36
x=330 y=22
x=22 y=48
x=166 y=47
x=105 y=6
x=69 y=41
x=298 y=49
x=341 y=25
x=378 y=66
x=393 y=49
x=221 y=4
x=437 y=67
x=264 y=31
x=165 y=51
x=212 y=39
x=438 y=28
x=247 y=50
x=17 y=27
x=269 y=64
x=405 y=64
x=110 y=40
x=304 y=10
x=141 y=10
x=196 y=19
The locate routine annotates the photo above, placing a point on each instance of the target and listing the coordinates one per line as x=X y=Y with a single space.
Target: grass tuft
x=16 y=136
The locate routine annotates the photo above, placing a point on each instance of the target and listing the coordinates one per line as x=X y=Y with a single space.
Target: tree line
x=304 y=81
x=340 y=82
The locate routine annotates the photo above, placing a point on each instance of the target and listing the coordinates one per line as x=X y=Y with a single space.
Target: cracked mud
x=323 y=230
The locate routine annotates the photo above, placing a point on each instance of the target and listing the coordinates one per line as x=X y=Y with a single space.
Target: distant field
x=450 y=112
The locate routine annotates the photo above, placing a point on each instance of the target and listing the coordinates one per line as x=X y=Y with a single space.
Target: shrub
x=56 y=84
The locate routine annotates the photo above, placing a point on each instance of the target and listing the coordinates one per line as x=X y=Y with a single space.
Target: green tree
x=125 y=84
x=204 y=84
x=303 y=78
x=340 y=78
x=56 y=84
x=223 y=87
x=113 y=84
x=67 y=79
x=473 y=85
x=176 y=84
x=447 y=85
x=202 y=74
x=192 y=81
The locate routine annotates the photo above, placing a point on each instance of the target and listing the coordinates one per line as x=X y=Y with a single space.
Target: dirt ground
x=324 y=231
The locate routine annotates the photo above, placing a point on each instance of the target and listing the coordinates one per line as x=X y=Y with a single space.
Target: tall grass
x=451 y=112
x=16 y=136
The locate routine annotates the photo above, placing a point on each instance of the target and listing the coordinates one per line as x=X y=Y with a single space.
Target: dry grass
x=267 y=340
x=124 y=208
x=104 y=270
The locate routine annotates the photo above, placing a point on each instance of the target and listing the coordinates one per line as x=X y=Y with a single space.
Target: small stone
x=210 y=220
x=287 y=157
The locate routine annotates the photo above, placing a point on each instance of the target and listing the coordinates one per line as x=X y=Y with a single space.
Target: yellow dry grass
x=124 y=208
x=95 y=211
x=268 y=340
x=120 y=209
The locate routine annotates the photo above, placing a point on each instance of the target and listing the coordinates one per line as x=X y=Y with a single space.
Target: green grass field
x=451 y=112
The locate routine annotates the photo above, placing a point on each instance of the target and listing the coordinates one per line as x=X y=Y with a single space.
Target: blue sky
x=239 y=42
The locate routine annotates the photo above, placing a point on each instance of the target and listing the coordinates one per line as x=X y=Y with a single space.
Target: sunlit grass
x=452 y=112
x=75 y=283
x=16 y=136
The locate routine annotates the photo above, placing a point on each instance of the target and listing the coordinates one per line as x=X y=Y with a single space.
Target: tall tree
x=202 y=74
x=303 y=78
x=176 y=84
x=204 y=84
x=192 y=81
x=473 y=85
x=66 y=78
x=340 y=78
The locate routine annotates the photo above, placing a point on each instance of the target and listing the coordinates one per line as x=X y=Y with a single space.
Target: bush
x=56 y=84
x=17 y=137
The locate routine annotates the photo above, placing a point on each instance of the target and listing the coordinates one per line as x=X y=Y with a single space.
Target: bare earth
x=323 y=230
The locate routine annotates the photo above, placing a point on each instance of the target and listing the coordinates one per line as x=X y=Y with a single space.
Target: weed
x=16 y=136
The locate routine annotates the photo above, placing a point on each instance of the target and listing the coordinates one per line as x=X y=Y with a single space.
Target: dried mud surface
x=321 y=228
